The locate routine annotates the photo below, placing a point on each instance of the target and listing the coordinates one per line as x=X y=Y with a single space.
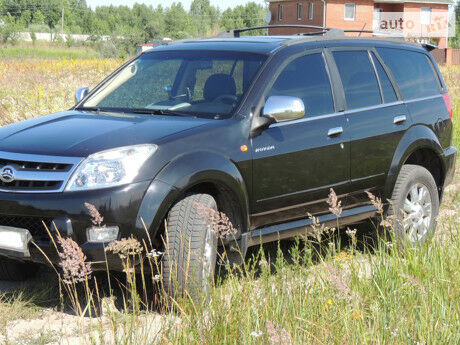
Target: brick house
x=352 y=14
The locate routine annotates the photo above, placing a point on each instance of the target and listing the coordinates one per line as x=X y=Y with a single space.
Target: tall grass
x=21 y=52
x=325 y=290
x=31 y=88
x=451 y=76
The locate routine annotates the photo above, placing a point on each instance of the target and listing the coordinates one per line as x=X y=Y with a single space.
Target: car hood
x=77 y=133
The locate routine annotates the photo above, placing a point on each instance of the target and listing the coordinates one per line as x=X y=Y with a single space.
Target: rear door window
x=358 y=78
x=389 y=94
x=412 y=71
x=307 y=79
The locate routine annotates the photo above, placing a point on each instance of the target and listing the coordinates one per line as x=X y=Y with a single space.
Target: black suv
x=258 y=128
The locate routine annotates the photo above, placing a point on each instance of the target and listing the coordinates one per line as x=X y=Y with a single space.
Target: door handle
x=399 y=119
x=335 y=131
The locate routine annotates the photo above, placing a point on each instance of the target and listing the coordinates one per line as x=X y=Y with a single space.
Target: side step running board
x=293 y=228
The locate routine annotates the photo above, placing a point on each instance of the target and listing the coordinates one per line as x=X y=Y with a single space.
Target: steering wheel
x=227 y=99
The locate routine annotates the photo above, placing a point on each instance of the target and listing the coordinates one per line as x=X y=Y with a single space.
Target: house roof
x=447 y=2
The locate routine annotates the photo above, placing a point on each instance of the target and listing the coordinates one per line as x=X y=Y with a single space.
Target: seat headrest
x=218 y=85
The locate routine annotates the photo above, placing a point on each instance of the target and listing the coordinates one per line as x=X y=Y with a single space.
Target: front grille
x=34 y=166
x=33 y=224
x=35 y=173
x=31 y=185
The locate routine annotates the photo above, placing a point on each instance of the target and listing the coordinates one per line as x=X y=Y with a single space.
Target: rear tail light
x=448 y=102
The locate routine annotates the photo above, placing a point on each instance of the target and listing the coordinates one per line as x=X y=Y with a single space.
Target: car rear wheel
x=14 y=270
x=191 y=247
x=414 y=205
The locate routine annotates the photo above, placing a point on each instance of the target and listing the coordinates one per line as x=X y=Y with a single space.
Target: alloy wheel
x=418 y=211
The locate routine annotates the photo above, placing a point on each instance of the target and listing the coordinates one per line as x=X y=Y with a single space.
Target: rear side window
x=389 y=94
x=412 y=71
x=307 y=79
x=358 y=78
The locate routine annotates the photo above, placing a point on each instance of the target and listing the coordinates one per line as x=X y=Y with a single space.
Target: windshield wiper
x=147 y=111
x=95 y=109
x=157 y=112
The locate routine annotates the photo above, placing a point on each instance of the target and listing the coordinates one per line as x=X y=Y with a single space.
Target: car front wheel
x=191 y=247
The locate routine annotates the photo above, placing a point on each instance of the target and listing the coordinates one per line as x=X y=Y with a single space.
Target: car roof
x=254 y=44
x=270 y=44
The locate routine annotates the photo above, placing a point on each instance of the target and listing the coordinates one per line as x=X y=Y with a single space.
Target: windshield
x=198 y=83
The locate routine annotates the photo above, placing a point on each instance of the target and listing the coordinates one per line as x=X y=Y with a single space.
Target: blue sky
x=222 y=4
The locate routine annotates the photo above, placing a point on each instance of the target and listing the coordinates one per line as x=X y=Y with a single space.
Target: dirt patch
x=60 y=328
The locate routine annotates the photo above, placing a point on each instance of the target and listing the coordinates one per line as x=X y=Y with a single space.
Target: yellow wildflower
x=356 y=315
x=343 y=256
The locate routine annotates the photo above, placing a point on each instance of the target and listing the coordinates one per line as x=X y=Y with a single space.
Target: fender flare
x=183 y=173
x=415 y=138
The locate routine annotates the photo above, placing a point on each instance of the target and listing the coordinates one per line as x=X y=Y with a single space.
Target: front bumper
x=119 y=206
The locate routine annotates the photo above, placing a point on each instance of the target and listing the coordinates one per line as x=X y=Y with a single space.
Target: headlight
x=110 y=168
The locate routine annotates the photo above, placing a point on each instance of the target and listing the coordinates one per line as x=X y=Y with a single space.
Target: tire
x=191 y=248
x=14 y=270
x=414 y=206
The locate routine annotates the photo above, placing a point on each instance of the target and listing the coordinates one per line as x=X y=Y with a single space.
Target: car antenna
x=362 y=29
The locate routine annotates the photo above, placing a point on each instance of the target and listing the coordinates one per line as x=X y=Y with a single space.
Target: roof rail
x=376 y=33
x=237 y=32
x=327 y=32
x=429 y=46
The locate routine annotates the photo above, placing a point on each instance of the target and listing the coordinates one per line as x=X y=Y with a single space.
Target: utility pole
x=62 y=21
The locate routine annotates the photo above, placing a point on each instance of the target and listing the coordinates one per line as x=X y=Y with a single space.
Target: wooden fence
x=447 y=56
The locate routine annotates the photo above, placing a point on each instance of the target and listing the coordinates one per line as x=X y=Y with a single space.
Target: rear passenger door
x=421 y=89
x=376 y=116
x=295 y=163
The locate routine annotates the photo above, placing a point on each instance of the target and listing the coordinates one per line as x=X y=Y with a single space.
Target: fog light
x=102 y=234
x=15 y=239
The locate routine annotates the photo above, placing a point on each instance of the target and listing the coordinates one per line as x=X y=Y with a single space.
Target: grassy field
x=33 y=87
x=46 y=50
x=339 y=292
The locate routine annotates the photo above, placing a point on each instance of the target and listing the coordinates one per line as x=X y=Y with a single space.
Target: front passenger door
x=295 y=163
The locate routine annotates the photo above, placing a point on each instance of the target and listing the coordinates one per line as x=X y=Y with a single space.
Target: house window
x=280 y=12
x=350 y=11
x=425 y=15
x=299 y=11
x=310 y=12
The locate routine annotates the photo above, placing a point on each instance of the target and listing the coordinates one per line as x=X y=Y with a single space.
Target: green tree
x=454 y=42
x=205 y=17
x=38 y=17
x=9 y=30
x=251 y=14
x=177 y=22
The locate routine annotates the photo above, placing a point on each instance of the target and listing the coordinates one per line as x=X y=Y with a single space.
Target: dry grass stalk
x=277 y=335
x=338 y=280
x=317 y=229
x=125 y=247
x=96 y=217
x=335 y=206
x=73 y=262
x=376 y=201
x=219 y=223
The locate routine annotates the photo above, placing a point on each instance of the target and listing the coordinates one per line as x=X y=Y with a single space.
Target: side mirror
x=80 y=94
x=284 y=108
